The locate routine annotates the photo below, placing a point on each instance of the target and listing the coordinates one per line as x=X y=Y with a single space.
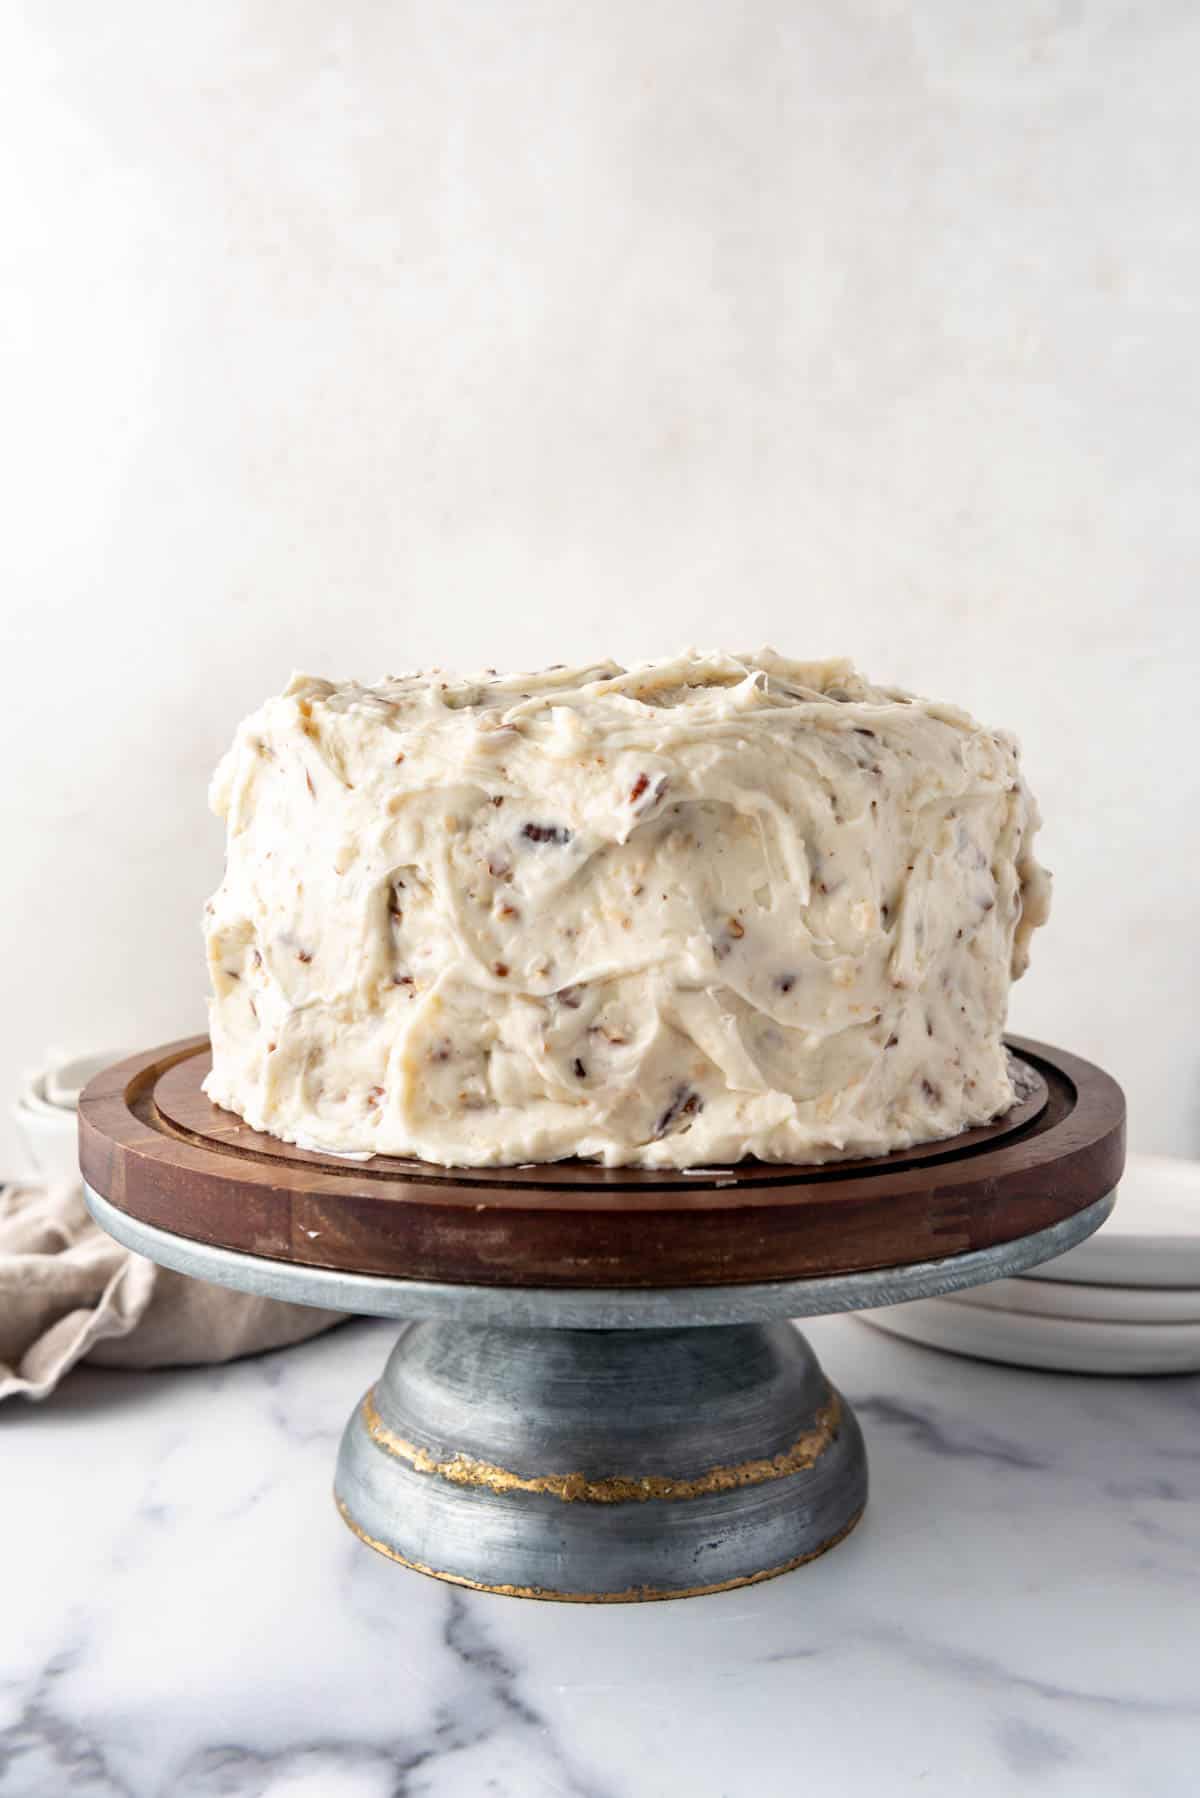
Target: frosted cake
x=670 y=916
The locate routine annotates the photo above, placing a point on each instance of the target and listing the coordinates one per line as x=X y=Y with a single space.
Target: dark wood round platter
x=155 y=1147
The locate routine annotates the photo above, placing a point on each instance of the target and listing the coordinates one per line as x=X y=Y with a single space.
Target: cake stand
x=597 y=1395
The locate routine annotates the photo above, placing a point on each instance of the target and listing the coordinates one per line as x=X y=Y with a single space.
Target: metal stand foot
x=602 y=1466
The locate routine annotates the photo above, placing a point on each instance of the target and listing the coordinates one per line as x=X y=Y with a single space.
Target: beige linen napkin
x=69 y=1292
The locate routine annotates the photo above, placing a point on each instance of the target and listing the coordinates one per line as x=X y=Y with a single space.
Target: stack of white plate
x=45 y=1112
x=1126 y=1301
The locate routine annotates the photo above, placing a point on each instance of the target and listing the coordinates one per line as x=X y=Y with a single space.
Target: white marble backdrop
x=364 y=336
x=183 y=1614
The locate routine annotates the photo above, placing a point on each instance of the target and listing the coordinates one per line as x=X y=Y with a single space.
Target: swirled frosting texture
x=668 y=917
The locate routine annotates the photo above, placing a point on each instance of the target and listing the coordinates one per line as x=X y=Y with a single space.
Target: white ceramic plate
x=1069 y=1345
x=1100 y=1304
x=1152 y=1237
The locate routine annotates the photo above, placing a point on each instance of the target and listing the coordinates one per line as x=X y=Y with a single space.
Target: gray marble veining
x=1015 y=1613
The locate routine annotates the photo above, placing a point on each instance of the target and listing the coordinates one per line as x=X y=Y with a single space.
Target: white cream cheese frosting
x=668 y=916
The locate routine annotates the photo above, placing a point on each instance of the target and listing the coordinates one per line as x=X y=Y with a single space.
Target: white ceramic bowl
x=45 y=1112
x=49 y=1135
x=65 y=1080
x=32 y=1096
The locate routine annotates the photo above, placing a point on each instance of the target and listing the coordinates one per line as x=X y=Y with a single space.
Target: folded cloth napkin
x=68 y=1292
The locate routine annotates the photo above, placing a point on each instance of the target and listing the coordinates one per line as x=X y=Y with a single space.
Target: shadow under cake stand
x=597 y=1395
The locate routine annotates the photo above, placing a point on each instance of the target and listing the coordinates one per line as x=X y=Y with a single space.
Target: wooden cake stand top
x=156 y=1148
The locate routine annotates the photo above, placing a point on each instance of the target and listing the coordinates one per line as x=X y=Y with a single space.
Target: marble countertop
x=183 y=1614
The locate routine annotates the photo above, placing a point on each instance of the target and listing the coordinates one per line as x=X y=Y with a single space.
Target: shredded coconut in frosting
x=668 y=916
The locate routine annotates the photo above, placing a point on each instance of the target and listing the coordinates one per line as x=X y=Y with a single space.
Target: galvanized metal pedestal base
x=600 y=1445
x=602 y=1465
